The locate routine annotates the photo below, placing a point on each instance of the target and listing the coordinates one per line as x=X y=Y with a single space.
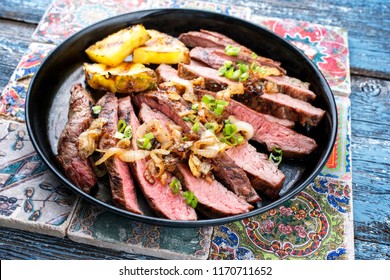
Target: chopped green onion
x=175 y=185
x=253 y=55
x=253 y=66
x=240 y=139
x=243 y=67
x=121 y=126
x=243 y=77
x=222 y=70
x=191 y=199
x=195 y=106
x=144 y=142
x=221 y=102
x=96 y=109
x=228 y=64
x=184 y=138
x=196 y=127
x=119 y=135
x=149 y=135
x=211 y=126
x=277 y=157
x=229 y=129
x=128 y=133
x=219 y=109
x=231 y=50
x=186 y=119
x=207 y=99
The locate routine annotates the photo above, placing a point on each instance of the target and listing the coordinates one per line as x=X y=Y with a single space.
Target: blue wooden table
x=368 y=25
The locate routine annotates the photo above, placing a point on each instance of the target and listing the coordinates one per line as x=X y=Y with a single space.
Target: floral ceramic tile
x=63 y=18
x=12 y=99
x=31 y=197
x=95 y=226
x=233 y=10
x=326 y=46
x=339 y=163
x=316 y=224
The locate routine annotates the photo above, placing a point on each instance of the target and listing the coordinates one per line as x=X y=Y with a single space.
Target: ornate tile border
x=63 y=18
x=95 y=226
x=31 y=197
x=316 y=224
x=326 y=46
x=12 y=99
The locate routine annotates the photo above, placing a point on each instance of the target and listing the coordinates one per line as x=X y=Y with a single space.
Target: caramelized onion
x=123 y=154
x=245 y=128
x=87 y=142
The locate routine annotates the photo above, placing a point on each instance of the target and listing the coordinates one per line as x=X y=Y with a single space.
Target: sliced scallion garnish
x=96 y=109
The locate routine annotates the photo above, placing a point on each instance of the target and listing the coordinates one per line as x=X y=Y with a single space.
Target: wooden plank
x=367 y=22
x=16 y=244
x=370 y=251
x=14 y=41
x=25 y=11
x=371 y=166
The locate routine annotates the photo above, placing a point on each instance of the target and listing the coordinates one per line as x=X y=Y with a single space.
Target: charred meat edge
x=77 y=169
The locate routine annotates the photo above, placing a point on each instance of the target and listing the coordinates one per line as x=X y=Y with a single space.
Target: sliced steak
x=159 y=197
x=263 y=174
x=225 y=169
x=284 y=107
x=215 y=58
x=211 y=39
x=124 y=194
x=79 y=170
x=284 y=122
x=292 y=87
x=213 y=81
x=276 y=104
x=270 y=134
x=214 y=200
x=161 y=102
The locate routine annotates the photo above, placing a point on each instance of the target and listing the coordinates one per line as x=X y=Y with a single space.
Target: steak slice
x=167 y=73
x=284 y=107
x=263 y=174
x=277 y=104
x=227 y=172
x=214 y=200
x=160 y=198
x=213 y=81
x=79 y=170
x=124 y=194
x=215 y=58
x=292 y=87
x=270 y=134
x=211 y=39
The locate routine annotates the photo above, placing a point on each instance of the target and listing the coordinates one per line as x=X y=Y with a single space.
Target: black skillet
x=48 y=96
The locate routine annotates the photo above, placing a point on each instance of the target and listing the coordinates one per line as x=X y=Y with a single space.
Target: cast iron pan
x=48 y=97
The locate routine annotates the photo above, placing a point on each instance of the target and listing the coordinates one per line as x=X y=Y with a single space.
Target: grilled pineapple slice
x=113 y=49
x=161 y=48
x=127 y=77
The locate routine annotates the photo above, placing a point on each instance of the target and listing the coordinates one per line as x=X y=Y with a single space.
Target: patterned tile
x=326 y=46
x=31 y=197
x=65 y=17
x=339 y=163
x=233 y=10
x=95 y=226
x=12 y=99
x=316 y=224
